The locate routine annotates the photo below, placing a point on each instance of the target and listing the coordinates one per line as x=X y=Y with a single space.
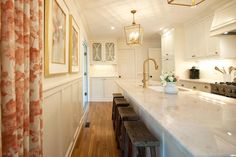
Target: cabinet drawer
x=205 y=87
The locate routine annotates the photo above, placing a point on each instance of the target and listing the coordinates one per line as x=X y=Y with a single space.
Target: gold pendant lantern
x=134 y=33
x=187 y=3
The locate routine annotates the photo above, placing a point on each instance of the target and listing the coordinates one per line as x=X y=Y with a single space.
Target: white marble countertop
x=203 y=124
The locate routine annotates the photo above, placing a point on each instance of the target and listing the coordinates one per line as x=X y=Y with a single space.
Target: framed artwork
x=74 y=46
x=56 y=37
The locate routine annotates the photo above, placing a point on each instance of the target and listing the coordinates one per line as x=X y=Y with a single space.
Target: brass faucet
x=144 y=71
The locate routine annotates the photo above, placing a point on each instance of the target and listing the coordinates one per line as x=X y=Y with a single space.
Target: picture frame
x=56 y=54
x=74 y=47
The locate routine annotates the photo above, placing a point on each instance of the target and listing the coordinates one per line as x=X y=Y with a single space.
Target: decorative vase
x=171 y=88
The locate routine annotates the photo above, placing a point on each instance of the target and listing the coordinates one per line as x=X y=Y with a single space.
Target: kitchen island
x=189 y=124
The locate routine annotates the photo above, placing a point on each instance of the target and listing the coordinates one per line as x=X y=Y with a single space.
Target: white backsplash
x=103 y=70
x=207 y=70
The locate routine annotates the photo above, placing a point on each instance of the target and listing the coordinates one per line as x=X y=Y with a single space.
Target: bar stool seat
x=140 y=138
x=115 y=95
x=124 y=114
x=128 y=114
x=118 y=102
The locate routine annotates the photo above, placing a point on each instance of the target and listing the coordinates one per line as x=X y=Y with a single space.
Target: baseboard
x=100 y=99
x=76 y=135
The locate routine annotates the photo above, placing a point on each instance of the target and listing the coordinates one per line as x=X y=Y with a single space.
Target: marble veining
x=204 y=124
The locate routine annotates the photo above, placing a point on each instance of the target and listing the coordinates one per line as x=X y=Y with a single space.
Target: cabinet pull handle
x=194 y=87
x=206 y=87
x=167 y=59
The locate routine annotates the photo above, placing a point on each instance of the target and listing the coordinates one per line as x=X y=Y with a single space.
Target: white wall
x=62 y=104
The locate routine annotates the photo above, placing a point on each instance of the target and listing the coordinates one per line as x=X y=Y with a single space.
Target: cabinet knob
x=193 y=56
x=216 y=53
x=167 y=59
x=206 y=87
x=194 y=87
x=167 y=54
x=119 y=76
x=182 y=85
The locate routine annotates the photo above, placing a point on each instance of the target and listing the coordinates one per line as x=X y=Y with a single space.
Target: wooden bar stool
x=124 y=114
x=115 y=95
x=137 y=134
x=118 y=102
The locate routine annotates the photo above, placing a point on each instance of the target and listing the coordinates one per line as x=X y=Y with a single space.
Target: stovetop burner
x=224 y=88
x=227 y=83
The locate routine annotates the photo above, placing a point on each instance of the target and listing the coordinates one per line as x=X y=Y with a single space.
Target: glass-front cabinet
x=103 y=52
x=97 y=52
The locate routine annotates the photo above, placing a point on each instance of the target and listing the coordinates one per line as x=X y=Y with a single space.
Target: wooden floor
x=99 y=139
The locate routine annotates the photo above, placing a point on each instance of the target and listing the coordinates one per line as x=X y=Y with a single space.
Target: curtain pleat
x=21 y=78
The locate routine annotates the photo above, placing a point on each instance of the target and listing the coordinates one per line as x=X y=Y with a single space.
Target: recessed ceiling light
x=112 y=27
x=229 y=133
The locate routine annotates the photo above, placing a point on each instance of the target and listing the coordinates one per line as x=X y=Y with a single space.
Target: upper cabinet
x=167 y=44
x=97 y=52
x=103 y=52
x=212 y=43
x=198 y=42
x=167 y=51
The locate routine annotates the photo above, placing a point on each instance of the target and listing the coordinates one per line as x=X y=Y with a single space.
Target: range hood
x=224 y=21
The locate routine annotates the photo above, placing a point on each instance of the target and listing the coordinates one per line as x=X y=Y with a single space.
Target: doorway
x=126 y=64
x=85 y=76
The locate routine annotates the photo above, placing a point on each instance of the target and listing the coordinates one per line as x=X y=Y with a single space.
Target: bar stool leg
x=141 y=152
x=126 y=146
x=134 y=151
x=117 y=133
x=153 y=151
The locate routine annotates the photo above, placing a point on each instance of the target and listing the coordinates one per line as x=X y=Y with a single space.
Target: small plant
x=168 y=77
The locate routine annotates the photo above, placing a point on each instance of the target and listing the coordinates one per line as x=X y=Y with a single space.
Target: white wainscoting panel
x=62 y=117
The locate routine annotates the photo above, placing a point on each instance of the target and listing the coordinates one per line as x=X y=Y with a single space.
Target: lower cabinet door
x=96 y=88
x=109 y=87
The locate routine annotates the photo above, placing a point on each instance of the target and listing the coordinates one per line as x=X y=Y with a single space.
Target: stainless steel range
x=227 y=89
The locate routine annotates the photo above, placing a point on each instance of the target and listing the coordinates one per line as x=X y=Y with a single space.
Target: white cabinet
x=212 y=42
x=103 y=52
x=167 y=51
x=167 y=44
x=195 y=40
x=198 y=42
x=96 y=88
x=101 y=89
x=204 y=87
x=168 y=64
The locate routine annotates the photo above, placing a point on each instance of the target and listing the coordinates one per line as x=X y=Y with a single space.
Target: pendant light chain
x=133 y=12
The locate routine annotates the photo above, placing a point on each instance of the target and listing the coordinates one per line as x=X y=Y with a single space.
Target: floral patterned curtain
x=21 y=78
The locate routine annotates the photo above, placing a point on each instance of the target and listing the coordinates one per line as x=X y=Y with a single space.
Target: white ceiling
x=100 y=15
